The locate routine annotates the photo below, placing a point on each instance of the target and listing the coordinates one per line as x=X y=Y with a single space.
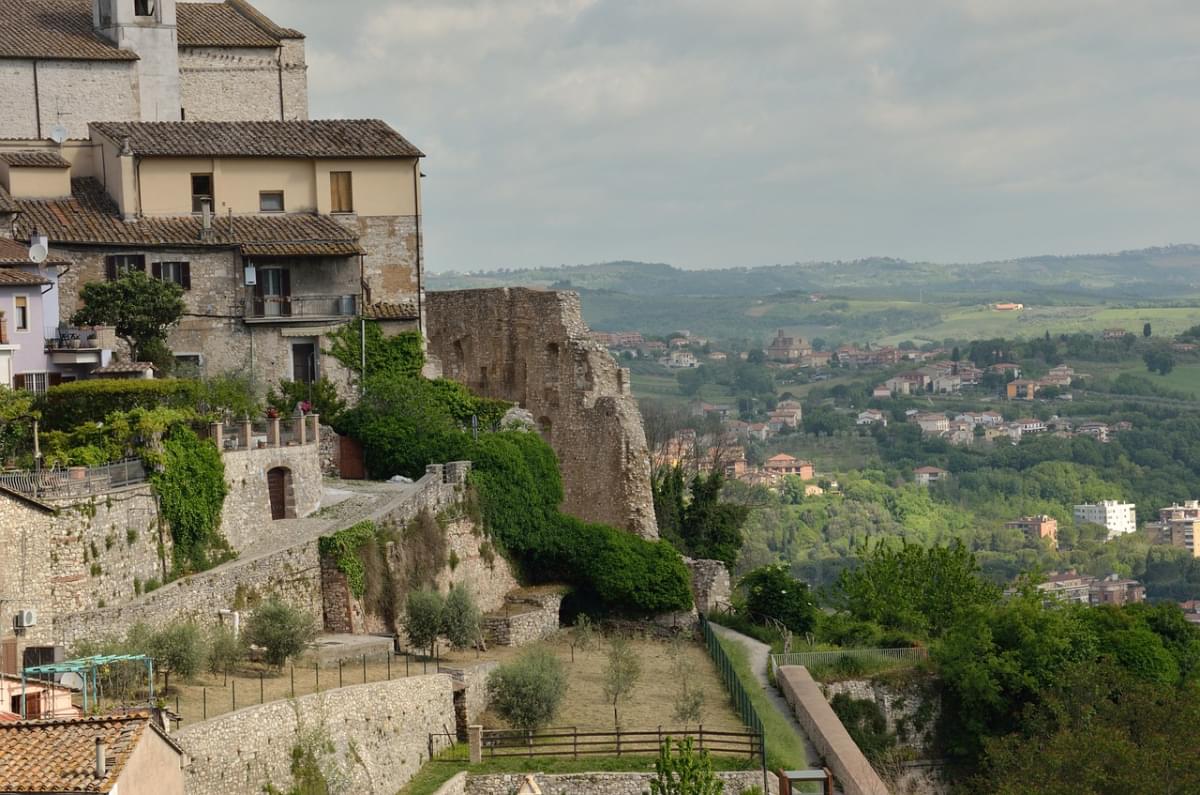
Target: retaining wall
x=828 y=735
x=246 y=514
x=589 y=783
x=380 y=735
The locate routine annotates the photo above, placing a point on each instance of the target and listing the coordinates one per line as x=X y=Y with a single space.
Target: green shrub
x=423 y=618
x=282 y=630
x=773 y=594
x=528 y=691
x=343 y=548
x=689 y=772
x=225 y=650
x=191 y=490
x=322 y=395
x=461 y=618
x=865 y=722
x=399 y=356
x=67 y=406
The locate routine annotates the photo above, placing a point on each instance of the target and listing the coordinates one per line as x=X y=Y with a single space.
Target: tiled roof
x=91 y=217
x=11 y=277
x=15 y=253
x=308 y=248
x=406 y=310
x=229 y=24
x=60 y=755
x=124 y=368
x=42 y=158
x=54 y=29
x=325 y=138
x=6 y=202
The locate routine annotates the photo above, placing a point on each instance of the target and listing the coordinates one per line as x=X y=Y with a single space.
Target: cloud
x=713 y=133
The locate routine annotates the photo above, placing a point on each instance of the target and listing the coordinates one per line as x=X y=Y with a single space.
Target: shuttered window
x=176 y=272
x=117 y=265
x=21 y=304
x=341 y=188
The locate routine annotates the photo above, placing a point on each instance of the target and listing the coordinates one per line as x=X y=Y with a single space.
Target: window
x=187 y=365
x=36 y=382
x=175 y=272
x=273 y=292
x=21 y=315
x=341 y=190
x=144 y=8
x=202 y=192
x=117 y=265
x=304 y=362
x=106 y=13
x=270 y=201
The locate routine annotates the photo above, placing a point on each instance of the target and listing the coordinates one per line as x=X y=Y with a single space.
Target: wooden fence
x=570 y=742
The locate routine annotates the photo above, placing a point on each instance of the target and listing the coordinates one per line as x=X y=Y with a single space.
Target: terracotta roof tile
x=54 y=29
x=350 y=138
x=60 y=755
x=6 y=202
x=223 y=25
x=11 y=277
x=308 y=248
x=91 y=217
x=124 y=368
x=405 y=310
x=43 y=158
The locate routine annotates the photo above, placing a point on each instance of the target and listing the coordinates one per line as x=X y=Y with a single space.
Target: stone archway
x=279 y=490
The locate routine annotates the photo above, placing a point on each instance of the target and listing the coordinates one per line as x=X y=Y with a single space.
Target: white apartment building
x=1119 y=517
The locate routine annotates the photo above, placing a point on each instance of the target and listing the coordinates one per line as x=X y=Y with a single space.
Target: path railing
x=569 y=741
x=810 y=658
x=75 y=481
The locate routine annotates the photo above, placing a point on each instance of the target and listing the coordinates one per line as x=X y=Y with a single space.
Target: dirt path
x=758 y=653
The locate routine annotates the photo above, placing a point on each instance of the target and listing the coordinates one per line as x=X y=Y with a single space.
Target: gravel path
x=758 y=653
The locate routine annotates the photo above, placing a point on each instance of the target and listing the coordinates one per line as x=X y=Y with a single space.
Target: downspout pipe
x=420 y=265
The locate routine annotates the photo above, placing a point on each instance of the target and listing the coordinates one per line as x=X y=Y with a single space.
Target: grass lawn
x=438 y=771
x=1184 y=378
x=785 y=746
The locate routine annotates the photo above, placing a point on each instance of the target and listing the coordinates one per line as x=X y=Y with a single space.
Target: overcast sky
x=706 y=132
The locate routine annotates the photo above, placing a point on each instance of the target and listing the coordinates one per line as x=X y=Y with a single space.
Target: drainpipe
x=37 y=100
x=420 y=280
x=279 y=60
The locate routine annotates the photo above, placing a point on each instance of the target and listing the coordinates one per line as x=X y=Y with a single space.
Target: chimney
x=101 y=758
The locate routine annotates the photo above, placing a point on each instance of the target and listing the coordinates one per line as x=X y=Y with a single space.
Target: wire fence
x=818 y=658
x=75 y=481
x=737 y=691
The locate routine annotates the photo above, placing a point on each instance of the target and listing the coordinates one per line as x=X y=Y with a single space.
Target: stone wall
x=528 y=617
x=532 y=347
x=72 y=555
x=246 y=516
x=592 y=783
x=841 y=754
x=291 y=574
x=71 y=93
x=711 y=587
x=244 y=84
x=393 y=251
x=912 y=709
x=380 y=733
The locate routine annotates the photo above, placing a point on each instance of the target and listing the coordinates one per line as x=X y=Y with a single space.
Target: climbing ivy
x=400 y=355
x=343 y=548
x=188 y=476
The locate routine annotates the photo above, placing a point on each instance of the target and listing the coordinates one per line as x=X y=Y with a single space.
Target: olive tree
x=528 y=691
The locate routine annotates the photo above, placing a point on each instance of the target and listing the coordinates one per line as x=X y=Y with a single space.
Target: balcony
x=67 y=346
x=298 y=308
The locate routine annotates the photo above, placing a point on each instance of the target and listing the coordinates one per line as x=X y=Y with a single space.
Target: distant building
x=787 y=349
x=1005 y=368
x=1097 y=430
x=1113 y=590
x=1022 y=389
x=1070 y=587
x=784 y=464
x=1177 y=526
x=1120 y=518
x=1008 y=307
x=871 y=417
x=932 y=423
x=682 y=360
x=881 y=392
x=1113 y=333
x=926 y=476
x=1037 y=527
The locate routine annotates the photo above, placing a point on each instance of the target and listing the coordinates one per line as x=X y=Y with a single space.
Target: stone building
x=65 y=63
x=278 y=232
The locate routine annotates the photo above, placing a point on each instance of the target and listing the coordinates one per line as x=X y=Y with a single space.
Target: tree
x=686 y=772
x=1159 y=361
x=423 y=618
x=283 y=630
x=176 y=649
x=225 y=650
x=461 y=618
x=528 y=691
x=140 y=308
x=712 y=528
x=582 y=634
x=16 y=429
x=774 y=594
x=1146 y=330
x=621 y=673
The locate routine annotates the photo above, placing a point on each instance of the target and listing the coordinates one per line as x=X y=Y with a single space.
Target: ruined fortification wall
x=532 y=347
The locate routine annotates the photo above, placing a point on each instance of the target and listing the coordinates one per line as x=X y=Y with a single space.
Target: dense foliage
x=686 y=771
x=282 y=630
x=406 y=423
x=321 y=395
x=423 y=618
x=16 y=423
x=140 y=308
x=343 y=549
x=399 y=356
x=68 y=406
x=189 y=480
x=772 y=594
x=695 y=519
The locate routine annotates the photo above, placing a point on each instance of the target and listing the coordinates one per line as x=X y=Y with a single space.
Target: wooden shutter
x=342 y=189
x=156 y=270
x=185 y=275
x=110 y=268
x=285 y=288
x=19 y=381
x=260 y=305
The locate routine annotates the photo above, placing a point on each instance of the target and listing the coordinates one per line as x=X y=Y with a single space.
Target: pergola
x=88 y=669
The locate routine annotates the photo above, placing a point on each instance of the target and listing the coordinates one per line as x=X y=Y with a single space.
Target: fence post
x=389 y=666
x=233 y=695
x=364 y=669
x=340 y=672
x=261 y=689
x=317 y=671
x=475 y=739
x=293 y=680
x=701 y=736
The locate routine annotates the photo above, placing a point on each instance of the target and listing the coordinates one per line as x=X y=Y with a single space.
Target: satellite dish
x=38 y=253
x=58 y=134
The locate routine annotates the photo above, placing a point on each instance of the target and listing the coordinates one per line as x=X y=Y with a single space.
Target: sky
x=709 y=133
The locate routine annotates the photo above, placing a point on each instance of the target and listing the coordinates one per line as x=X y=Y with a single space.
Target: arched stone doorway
x=279 y=489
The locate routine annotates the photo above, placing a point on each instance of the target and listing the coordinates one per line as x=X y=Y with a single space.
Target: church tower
x=146 y=27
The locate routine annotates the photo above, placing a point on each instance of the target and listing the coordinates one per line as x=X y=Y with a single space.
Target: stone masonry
x=528 y=616
x=246 y=515
x=379 y=732
x=592 y=783
x=532 y=348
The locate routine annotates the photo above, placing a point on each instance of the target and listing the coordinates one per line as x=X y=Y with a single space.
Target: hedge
x=67 y=406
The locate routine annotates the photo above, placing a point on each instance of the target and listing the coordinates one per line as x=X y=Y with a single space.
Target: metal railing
x=810 y=658
x=569 y=741
x=737 y=691
x=301 y=306
x=75 y=481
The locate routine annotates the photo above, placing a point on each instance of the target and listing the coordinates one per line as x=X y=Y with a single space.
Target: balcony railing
x=64 y=339
x=75 y=481
x=284 y=308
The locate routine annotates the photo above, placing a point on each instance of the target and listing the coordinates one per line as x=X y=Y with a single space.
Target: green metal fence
x=737 y=693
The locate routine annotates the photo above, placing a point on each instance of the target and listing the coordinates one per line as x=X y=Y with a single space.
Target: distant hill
x=869 y=299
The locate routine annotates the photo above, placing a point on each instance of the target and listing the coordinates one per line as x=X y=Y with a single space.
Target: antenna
x=58 y=134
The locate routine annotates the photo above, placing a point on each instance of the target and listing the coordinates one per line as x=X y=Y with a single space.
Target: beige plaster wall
x=36 y=183
x=154 y=768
